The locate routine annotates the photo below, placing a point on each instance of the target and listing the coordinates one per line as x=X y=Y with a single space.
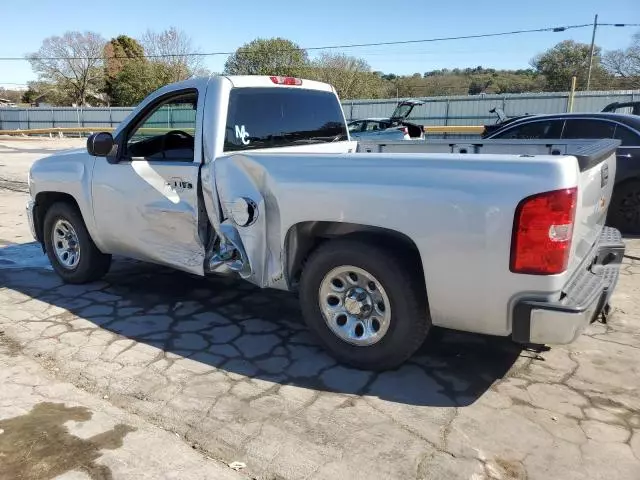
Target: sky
x=223 y=26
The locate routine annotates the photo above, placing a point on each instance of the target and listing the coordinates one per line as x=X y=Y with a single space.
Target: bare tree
x=11 y=95
x=173 y=49
x=625 y=63
x=72 y=64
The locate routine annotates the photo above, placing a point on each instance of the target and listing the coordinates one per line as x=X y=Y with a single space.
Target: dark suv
x=624 y=211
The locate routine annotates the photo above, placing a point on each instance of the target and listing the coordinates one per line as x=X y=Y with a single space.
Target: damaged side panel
x=249 y=229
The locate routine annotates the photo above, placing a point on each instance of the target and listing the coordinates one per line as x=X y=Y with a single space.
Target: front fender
x=69 y=173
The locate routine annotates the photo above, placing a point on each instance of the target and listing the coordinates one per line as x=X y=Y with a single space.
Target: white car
x=393 y=128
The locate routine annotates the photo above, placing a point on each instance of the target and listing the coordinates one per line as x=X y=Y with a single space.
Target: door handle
x=624 y=155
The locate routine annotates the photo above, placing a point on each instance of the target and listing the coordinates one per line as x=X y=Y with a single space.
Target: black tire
x=93 y=264
x=624 y=211
x=409 y=323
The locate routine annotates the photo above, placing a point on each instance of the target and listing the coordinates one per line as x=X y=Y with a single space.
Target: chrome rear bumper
x=582 y=300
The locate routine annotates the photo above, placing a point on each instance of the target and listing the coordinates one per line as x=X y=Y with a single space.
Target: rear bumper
x=582 y=299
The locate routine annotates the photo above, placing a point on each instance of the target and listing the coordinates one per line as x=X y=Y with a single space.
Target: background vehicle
x=501 y=122
x=388 y=128
x=377 y=128
x=624 y=212
x=256 y=177
x=632 y=108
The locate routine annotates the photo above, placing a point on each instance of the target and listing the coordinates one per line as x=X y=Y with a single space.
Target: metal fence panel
x=474 y=109
x=452 y=110
x=598 y=100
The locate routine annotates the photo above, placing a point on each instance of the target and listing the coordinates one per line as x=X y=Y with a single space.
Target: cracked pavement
x=233 y=371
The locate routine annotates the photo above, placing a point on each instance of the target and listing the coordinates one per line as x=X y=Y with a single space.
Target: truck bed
x=586 y=151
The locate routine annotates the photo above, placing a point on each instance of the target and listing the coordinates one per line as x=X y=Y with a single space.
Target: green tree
x=267 y=56
x=46 y=92
x=118 y=51
x=125 y=70
x=566 y=59
x=350 y=76
x=512 y=82
x=136 y=80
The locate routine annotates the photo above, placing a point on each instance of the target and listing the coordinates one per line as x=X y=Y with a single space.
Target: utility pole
x=593 y=46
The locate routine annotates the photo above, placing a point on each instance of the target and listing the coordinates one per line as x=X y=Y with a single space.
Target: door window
x=534 y=130
x=166 y=131
x=355 y=127
x=628 y=138
x=584 y=128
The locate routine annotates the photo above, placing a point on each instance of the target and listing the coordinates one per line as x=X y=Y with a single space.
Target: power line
x=344 y=46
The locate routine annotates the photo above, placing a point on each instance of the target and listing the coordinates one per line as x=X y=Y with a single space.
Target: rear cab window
x=282 y=117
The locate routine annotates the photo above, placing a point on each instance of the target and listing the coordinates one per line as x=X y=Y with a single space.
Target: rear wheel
x=624 y=211
x=69 y=246
x=367 y=306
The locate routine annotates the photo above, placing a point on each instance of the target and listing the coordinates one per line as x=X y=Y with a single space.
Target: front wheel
x=70 y=248
x=367 y=306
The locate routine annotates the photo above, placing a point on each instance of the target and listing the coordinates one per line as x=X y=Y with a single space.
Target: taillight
x=542 y=231
x=286 y=80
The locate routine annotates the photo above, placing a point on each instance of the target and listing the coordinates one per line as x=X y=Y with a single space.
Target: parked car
x=393 y=128
x=624 y=212
x=627 y=107
x=261 y=181
x=377 y=128
x=502 y=120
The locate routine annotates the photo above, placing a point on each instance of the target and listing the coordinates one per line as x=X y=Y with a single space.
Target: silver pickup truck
x=256 y=177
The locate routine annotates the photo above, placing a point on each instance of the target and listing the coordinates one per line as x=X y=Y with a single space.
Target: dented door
x=145 y=198
x=149 y=210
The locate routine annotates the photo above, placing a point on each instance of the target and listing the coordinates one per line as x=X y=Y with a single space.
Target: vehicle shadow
x=233 y=326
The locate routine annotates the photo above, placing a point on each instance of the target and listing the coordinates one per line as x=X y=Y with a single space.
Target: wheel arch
x=43 y=202
x=305 y=237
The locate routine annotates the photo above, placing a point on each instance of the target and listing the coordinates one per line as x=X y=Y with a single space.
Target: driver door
x=145 y=199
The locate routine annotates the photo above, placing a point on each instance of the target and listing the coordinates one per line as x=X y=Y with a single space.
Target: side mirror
x=100 y=144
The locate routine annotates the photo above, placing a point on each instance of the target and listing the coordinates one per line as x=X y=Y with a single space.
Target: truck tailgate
x=597 y=172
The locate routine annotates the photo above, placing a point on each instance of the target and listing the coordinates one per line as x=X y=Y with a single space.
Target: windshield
x=280 y=117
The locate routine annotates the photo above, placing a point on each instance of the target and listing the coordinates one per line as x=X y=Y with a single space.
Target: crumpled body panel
x=260 y=243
